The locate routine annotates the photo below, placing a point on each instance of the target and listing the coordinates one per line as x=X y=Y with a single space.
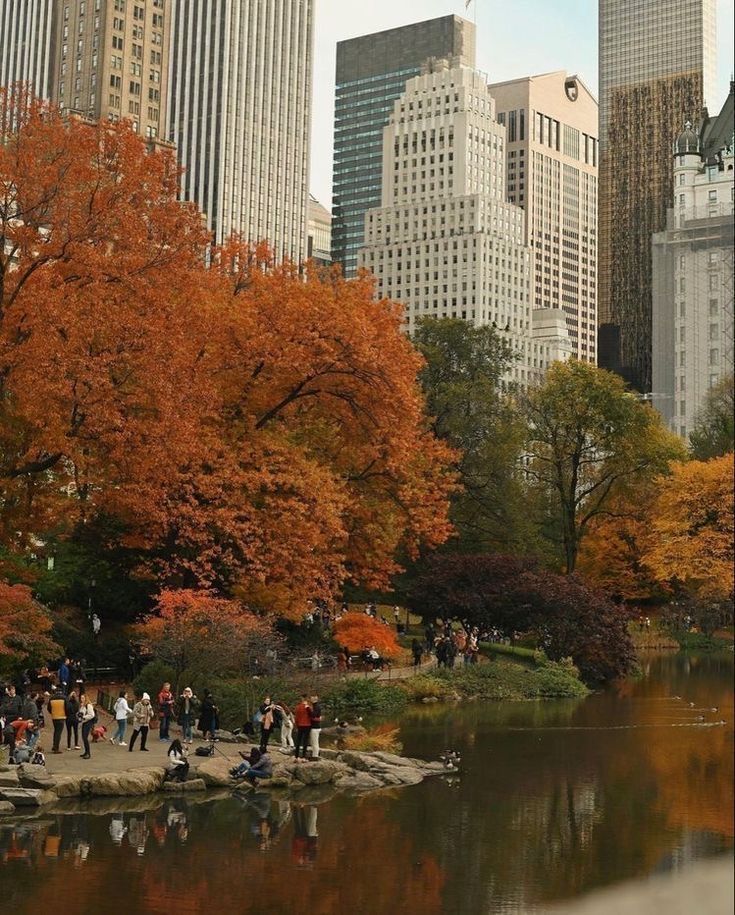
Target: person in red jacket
x=302 y=714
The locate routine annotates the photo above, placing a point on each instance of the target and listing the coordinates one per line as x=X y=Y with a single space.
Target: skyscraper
x=111 y=61
x=445 y=242
x=372 y=72
x=551 y=140
x=27 y=29
x=657 y=69
x=240 y=112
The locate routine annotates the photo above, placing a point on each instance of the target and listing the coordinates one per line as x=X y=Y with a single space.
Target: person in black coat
x=208 y=716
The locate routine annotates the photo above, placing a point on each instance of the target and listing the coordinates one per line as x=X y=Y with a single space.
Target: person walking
x=187 y=713
x=165 y=710
x=122 y=710
x=208 y=719
x=316 y=726
x=302 y=719
x=142 y=715
x=418 y=652
x=57 y=709
x=72 y=720
x=63 y=675
x=88 y=719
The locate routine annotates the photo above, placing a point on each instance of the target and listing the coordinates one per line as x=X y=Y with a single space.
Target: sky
x=514 y=38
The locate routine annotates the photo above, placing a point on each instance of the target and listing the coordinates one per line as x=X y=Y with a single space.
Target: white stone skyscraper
x=240 y=91
x=445 y=241
x=27 y=29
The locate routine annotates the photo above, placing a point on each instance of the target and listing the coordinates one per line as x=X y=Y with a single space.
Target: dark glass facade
x=372 y=72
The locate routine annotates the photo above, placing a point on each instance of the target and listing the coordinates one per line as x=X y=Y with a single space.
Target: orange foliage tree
x=690 y=542
x=25 y=626
x=197 y=631
x=358 y=631
x=253 y=429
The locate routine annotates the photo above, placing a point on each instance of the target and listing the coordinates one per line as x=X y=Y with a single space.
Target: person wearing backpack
x=88 y=719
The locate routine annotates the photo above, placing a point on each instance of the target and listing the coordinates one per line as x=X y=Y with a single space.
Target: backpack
x=204 y=751
x=258 y=717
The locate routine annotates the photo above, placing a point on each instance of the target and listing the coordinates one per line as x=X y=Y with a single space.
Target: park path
x=393 y=673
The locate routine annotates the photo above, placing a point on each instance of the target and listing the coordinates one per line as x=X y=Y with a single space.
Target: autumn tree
x=462 y=383
x=513 y=593
x=714 y=433
x=690 y=543
x=588 y=441
x=25 y=627
x=246 y=427
x=200 y=632
x=359 y=631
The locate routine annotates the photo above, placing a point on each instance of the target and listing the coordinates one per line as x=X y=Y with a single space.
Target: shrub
x=363 y=697
x=385 y=741
x=426 y=687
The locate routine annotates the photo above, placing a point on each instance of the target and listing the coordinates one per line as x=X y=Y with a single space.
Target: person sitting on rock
x=178 y=764
x=257 y=766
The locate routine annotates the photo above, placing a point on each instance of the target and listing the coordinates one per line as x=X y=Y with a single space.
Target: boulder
x=28 y=797
x=132 y=783
x=318 y=772
x=363 y=762
x=72 y=786
x=35 y=776
x=229 y=737
x=215 y=772
x=195 y=784
x=399 y=775
x=6 y=808
x=358 y=781
x=10 y=778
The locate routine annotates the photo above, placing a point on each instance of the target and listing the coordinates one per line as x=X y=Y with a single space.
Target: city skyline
x=506 y=49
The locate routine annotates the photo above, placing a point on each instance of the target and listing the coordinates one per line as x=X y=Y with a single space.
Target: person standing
x=187 y=714
x=122 y=710
x=165 y=710
x=316 y=726
x=267 y=722
x=63 y=675
x=142 y=715
x=57 y=709
x=287 y=722
x=72 y=720
x=418 y=652
x=302 y=718
x=208 y=722
x=87 y=717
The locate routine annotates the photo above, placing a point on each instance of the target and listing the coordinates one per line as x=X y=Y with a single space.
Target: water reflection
x=553 y=799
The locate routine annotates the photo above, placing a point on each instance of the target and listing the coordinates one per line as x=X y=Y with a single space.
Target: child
x=98 y=733
x=38 y=757
x=178 y=764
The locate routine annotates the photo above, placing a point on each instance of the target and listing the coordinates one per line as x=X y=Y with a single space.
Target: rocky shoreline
x=28 y=789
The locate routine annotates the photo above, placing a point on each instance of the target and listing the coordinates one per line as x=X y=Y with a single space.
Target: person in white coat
x=122 y=710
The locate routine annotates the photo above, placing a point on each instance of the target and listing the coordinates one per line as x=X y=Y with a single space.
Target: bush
x=151 y=679
x=385 y=741
x=363 y=697
x=508 y=680
x=426 y=687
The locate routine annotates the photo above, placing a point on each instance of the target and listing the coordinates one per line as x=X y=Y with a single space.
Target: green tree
x=714 y=434
x=588 y=440
x=462 y=384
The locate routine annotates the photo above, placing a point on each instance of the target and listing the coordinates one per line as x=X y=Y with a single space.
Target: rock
x=28 y=797
x=195 y=784
x=6 y=808
x=358 y=781
x=400 y=775
x=363 y=762
x=132 y=783
x=35 y=776
x=283 y=780
x=229 y=737
x=393 y=760
x=72 y=786
x=9 y=779
x=216 y=772
x=319 y=772
x=429 y=700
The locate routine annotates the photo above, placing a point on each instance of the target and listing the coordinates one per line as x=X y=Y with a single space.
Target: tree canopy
x=714 y=434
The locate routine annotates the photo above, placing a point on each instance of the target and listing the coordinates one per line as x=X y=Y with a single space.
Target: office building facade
x=27 y=29
x=693 y=274
x=657 y=69
x=445 y=242
x=319 y=233
x=372 y=72
x=551 y=168
x=240 y=92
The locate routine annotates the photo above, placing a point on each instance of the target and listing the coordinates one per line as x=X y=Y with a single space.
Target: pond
x=554 y=799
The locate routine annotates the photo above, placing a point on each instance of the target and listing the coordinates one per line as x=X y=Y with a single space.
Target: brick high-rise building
x=552 y=150
x=657 y=69
x=372 y=72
